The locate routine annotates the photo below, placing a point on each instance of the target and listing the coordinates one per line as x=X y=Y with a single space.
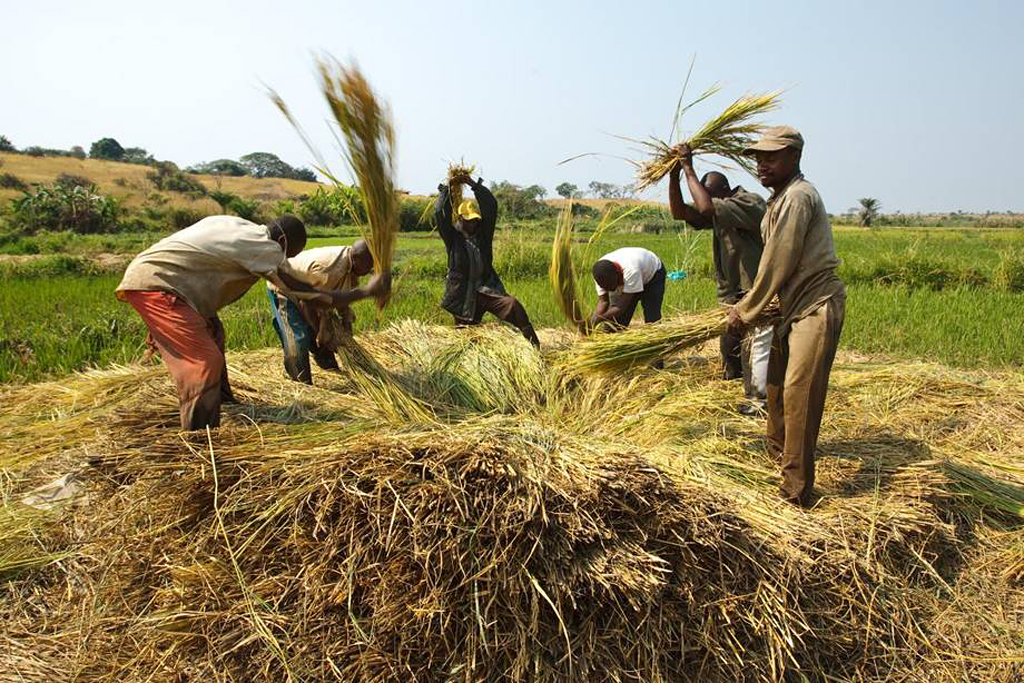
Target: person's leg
x=295 y=336
x=760 y=346
x=653 y=296
x=507 y=308
x=776 y=427
x=217 y=331
x=812 y=342
x=187 y=346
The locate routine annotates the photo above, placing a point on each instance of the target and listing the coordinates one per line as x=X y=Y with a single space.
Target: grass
x=56 y=318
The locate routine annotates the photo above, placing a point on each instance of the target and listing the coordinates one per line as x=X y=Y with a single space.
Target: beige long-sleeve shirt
x=325 y=268
x=799 y=260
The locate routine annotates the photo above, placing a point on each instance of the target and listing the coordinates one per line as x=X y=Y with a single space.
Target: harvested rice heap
x=518 y=525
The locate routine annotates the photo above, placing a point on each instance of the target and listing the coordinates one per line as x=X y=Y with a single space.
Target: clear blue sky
x=917 y=103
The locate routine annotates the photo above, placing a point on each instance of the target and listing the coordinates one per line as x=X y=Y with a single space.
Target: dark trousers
x=504 y=307
x=650 y=300
x=298 y=339
x=731 y=347
x=798 y=371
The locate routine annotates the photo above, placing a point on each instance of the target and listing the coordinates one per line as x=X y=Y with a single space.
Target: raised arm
x=488 y=207
x=443 y=213
x=701 y=215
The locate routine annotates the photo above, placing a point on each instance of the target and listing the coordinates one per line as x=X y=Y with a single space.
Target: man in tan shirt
x=334 y=269
x=734 y=217
x=180 y=283
x=799 y=267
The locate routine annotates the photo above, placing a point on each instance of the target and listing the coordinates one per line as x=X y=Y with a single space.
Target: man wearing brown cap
x=734 y=217
x=799 y=266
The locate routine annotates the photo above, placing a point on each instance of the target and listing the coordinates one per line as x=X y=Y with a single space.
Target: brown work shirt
x=737 y=243
x=210 y=264
x=799 y=260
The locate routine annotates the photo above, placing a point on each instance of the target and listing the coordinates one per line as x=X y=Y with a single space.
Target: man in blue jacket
x=472 y=287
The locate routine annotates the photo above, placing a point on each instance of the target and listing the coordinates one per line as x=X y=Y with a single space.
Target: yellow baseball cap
x=469 y=210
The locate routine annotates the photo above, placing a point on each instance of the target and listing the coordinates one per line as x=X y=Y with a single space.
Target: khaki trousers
x=798 y=371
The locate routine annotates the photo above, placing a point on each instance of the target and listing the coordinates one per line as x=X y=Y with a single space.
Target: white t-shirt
x=638 y=265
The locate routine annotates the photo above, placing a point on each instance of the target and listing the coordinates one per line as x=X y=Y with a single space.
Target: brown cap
x=774 y=139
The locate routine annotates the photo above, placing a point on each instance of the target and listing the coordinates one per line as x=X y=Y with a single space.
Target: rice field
x=947 y=295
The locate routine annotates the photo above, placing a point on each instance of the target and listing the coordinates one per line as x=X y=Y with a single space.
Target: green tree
x=106 y=148
x=228 y=167
x=5 y=144
x=869 y=208
x=137 y=155
x=78 y=152
x=567 y=190
x=266 y=165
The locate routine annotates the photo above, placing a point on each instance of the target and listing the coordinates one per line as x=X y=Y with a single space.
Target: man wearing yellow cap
x=472 y=286
x=799 y=266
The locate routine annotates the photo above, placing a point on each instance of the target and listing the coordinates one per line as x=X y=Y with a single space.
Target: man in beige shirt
x=334 y=269
x=734 y=217
x=180 y=283
x=799 y=267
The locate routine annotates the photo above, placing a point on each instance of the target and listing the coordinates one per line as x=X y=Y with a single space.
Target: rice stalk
x=620 y=351
x=726 y=135
x=457 y=170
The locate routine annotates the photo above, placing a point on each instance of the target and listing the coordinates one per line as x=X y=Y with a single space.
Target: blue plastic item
x=677 y=275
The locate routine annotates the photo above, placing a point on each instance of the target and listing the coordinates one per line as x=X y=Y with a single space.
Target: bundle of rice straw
x=648 y=343
x=726 y=135
x=367 y=128
x=458 y=170
x=566 y=282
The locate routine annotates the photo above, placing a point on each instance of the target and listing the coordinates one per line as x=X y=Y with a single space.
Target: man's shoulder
x=802 y=190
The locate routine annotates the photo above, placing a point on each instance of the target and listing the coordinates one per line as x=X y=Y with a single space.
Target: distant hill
x=129 y=182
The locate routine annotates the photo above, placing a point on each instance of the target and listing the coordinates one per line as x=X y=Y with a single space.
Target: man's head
x=778 y=155
x=607 y=275
x=362 y=259
x=716 y=184
x=290 y=233
x=469 y=216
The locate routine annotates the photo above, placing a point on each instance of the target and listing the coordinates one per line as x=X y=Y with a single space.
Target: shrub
x=168 y=177
x=106 y=148
x=521 y=202
x=226 y=167
x=584 y=211
x=78 y=209
x=335 y=206
x=35 y=151
x=9 y=181
x=249 y=209
x=77 y=152
x=68 y=180
x=416 y=215
x=182 y=217
x=5 y=144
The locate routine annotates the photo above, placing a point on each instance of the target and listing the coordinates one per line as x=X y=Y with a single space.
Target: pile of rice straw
x=458 y=170
x=537 y=527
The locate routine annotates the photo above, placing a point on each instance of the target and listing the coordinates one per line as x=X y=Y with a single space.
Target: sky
x=916 y=103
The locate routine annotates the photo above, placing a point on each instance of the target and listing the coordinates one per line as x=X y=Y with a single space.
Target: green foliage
x=223 y=198
x=78 y=152
x=106 y=148
x=335 y=206
x=226 y=167
x=609 y=190
x=180 y=217
x=521 y=202
x=415 y=215
x=35 y=151
x=60 y=207
x=137 y=155
x=567 y=190
x=5 y=144
x=249 y=209
x=69 y=180
x=868 y=213
x=267 y=165
x=9 y=181
x=1009 y=273
x=168 y=177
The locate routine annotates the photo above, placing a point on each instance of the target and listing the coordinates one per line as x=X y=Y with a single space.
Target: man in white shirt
x=334 y=269
x=624 y=278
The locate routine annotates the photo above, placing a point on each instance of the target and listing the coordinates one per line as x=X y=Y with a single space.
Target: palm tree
x=869 y=207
